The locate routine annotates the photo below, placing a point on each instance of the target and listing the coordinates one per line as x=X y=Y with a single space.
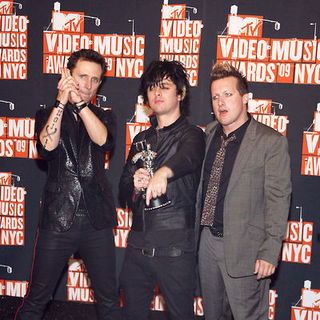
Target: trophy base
x=157 y=203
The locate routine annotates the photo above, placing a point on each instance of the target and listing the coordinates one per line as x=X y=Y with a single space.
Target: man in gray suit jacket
x=242 y=204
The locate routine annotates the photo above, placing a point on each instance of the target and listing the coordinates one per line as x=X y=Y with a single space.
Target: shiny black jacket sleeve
x=189 y=155
x=126 y=186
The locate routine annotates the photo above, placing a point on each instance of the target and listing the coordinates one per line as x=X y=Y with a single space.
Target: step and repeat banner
x=274 y=43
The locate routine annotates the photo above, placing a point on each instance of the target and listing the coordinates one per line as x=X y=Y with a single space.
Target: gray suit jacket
x=257 y=200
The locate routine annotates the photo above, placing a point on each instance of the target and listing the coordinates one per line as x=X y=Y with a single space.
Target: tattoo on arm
x=45 y=143
x=51 y=130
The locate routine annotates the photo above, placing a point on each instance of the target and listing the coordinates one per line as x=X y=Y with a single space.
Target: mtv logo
x=77 y=265
x=174 y=11
x=310 y=298
x=6 y=7
x=143 y=112
x=247 y=26
x=5 y=178
x=68 y=21
x=259 y=106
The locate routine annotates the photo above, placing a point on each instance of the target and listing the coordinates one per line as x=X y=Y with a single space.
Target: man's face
x=163 y=98
x=228 y=105
x=87 y=74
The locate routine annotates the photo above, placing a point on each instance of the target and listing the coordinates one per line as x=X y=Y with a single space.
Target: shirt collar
x=239 y=133
x=154 y=123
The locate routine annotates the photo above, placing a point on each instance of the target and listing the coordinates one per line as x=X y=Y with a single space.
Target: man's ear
x=183 y=93
x=245 y=98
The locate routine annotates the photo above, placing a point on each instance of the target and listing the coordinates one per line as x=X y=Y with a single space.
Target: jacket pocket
x=256 y=233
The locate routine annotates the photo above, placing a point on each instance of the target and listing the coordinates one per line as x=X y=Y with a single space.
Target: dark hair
x=173 y=70
x=224 y=70
x=87 y=55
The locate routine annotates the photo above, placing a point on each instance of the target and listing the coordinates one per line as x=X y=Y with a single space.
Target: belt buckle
x=145 y=252
x=81 y=212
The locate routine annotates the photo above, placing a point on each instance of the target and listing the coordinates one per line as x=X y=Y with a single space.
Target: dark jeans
x=174 y=275
x=53 y=250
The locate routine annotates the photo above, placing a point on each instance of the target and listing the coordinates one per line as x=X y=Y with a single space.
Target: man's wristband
x=77 y=108
x=59 y=105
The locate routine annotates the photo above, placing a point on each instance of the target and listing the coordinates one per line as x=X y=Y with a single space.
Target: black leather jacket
x=180 y=147
x=76 y=167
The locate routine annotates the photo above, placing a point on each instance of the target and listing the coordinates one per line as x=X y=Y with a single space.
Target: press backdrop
x=273 y=42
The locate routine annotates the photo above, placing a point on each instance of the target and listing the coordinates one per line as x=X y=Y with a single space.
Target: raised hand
x=68 y=88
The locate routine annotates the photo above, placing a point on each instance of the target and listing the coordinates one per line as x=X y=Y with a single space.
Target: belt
x=215 y=232
x=160 y=252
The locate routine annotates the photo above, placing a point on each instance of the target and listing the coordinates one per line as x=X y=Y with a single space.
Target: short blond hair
x=223 y=70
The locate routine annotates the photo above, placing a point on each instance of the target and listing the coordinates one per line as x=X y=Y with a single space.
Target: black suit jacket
x=76 y=167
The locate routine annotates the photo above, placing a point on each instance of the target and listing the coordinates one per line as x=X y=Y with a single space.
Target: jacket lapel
x=245 y=150
x=210 y=131
x=210 y=134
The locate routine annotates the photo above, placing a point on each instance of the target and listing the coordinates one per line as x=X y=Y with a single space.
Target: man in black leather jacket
x=77 y=212
x=161 y=243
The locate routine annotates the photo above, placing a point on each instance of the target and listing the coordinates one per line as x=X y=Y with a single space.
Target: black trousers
x=53 y=250
x=174 y=275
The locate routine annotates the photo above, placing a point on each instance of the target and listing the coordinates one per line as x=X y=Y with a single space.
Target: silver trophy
x=146 y=155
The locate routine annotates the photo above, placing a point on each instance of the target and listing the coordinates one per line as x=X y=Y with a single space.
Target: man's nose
x=157 y=91
x=88 y=84
x=220 y=101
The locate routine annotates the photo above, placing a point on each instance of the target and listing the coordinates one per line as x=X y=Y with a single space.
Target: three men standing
x=242 y=201
x=242 y=204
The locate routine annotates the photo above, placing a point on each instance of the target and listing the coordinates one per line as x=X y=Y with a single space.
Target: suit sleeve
x=277 y=190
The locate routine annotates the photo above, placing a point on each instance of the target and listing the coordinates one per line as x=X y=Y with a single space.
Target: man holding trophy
x=159 y=183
